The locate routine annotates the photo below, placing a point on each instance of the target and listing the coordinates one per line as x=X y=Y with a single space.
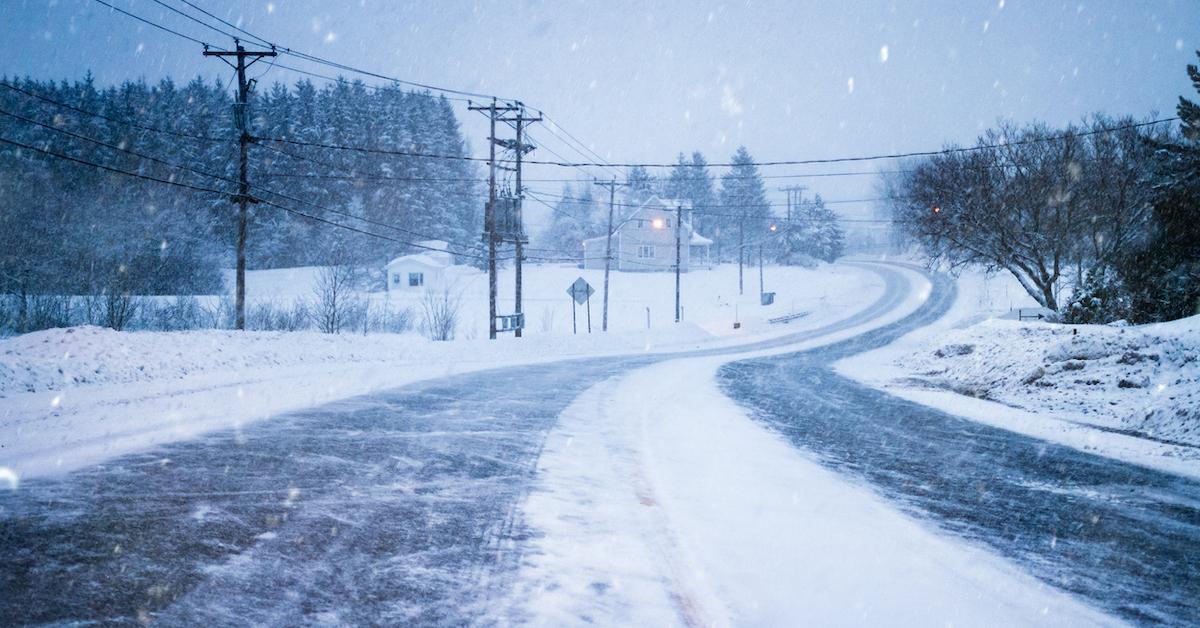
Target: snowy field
x=73 y=397
x=710 y=298
x=1128 y=392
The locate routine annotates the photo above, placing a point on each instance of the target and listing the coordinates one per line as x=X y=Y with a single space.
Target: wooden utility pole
x=243 y=197
x=741 y=248
x=678 y=259
x=519 y=237
x=612 y=191
x=760 y=271
x=798 y=191
x=489 y=211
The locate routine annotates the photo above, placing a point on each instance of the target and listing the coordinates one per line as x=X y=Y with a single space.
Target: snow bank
x=1144 y=380
x=58 y=358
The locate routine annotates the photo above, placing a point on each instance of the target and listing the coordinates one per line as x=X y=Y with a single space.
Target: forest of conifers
x=68 y=227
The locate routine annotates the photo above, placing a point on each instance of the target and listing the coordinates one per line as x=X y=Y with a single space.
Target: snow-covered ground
x=73 y=397
x=710 y=297
x=655 y=508
x=1131 y=393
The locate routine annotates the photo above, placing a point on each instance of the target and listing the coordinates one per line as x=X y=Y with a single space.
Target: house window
x=416 y=280
x=645 y=251
x=641 y=223
x=396 y=280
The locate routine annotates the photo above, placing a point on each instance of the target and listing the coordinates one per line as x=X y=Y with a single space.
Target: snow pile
x=58 y=359
x=63 y=358
x=1143 y=380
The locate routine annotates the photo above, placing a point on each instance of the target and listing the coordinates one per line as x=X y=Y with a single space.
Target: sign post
x=581 y=292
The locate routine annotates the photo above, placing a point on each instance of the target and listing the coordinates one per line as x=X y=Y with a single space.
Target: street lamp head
x=657 y=223
x=774 y=227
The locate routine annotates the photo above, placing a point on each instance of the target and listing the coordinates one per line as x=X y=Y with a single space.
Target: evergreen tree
x=1157 y=277
x=690 y=181
x=743 y=213
x=575 y=218
x=814 y=234
x=640 y=185
x=68 y=228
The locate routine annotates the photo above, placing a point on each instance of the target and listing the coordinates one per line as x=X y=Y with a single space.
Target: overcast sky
x=641 y=81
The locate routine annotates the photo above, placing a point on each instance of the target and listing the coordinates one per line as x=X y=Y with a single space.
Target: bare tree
x=334 y=292
x=439 y=314
x=1039 y=203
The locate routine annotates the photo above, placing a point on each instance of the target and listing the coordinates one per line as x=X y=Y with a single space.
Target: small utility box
x=768 y=298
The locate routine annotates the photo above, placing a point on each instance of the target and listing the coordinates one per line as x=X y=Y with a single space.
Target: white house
x=418 y=271
x=645 y=241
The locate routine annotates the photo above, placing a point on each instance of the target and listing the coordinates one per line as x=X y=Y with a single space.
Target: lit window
x=416 y=280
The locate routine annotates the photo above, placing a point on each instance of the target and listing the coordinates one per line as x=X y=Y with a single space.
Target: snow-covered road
x=617 y=490
x=660 y=508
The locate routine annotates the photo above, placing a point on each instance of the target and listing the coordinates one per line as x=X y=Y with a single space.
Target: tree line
x=70 y=228
x=732 y=210
x=1097 y=220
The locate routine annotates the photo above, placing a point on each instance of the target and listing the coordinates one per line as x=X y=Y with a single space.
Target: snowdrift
x=1144 y=380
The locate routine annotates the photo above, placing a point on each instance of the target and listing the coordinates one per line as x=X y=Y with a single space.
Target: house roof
x=433 y=260
x=699 y=239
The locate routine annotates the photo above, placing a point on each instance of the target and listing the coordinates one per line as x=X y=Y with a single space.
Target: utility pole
x=243 y=198
x=741 y=248
x=678 y=260
x=798 y=190
x=760 y=271
x=519 y=236
x=489 y=211
x=612 y=191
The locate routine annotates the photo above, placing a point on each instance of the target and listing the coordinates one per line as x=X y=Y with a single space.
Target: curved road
x=400 y=507
x=390 y=508
x=1124 y=537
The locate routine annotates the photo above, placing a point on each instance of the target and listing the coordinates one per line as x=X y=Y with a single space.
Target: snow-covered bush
x=174 y=314
x=1102 y=299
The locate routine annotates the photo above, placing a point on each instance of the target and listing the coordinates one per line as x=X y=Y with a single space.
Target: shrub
x=439 y=314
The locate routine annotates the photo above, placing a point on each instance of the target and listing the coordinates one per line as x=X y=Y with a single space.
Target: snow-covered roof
x=698 y=239
x=431 y=259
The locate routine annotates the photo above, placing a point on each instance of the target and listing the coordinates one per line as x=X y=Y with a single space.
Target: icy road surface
x=1125 y=537
x=403 y=508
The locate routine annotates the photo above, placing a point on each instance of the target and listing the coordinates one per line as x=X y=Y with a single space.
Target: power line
x=101 y=116
x=219 y=192
x=219 y=178
x=194 y=19
x=207 y=138
x=114 y=170
x=316 y=59
x=716 y=206
x=792 y=162
x=150 y=23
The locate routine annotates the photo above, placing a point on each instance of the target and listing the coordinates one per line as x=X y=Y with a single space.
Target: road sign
x=580 y=291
